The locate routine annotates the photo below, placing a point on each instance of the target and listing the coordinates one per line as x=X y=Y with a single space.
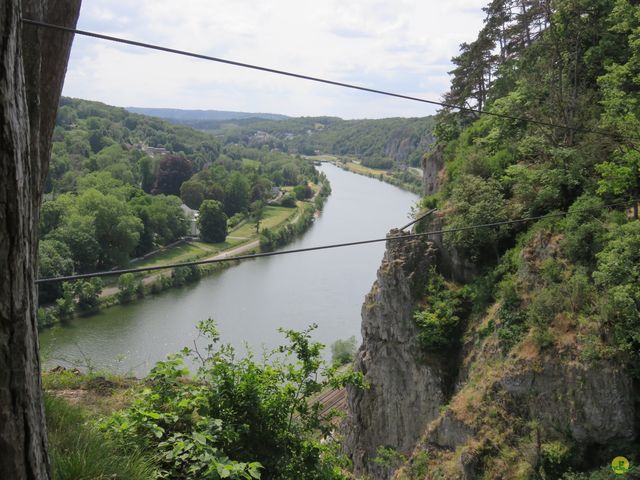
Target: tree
x=212 y=222
x=88 y=293
x=343 y=351
x=476 y=201
x=257 y=212
x=129 y=287
x=148 y=169
x=192 y=194
x=172 y=172
x=33 y=65
x=303 y=191
x=55 y=260
x=237 y=194
x=621 y=90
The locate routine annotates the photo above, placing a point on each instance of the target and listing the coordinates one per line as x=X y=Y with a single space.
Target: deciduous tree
x=212 y=222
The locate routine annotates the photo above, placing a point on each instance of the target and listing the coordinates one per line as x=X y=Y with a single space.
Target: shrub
x=438 y=321
x=236 y=418
x=129 y=288
x=343 y=351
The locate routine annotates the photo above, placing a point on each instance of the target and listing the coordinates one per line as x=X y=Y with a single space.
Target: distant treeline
x=379 y=143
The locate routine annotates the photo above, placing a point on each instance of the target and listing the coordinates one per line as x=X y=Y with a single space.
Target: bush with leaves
x=129 y=288
x=618 y=279
x=236 y=418
x=439 y=319
x=343 y=351
x=476 y=201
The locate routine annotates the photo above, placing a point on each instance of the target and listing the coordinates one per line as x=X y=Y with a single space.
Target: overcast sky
x=400 y=45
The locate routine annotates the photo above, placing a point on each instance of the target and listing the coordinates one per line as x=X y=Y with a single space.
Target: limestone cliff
x=433 y=170
x=406 y=388
x=483 y=409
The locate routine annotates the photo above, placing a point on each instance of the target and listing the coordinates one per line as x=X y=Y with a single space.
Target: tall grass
x=78 y=451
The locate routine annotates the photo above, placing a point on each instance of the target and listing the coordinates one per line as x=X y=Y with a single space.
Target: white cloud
x=403 y=46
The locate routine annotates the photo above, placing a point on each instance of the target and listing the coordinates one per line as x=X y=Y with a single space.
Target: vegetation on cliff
x=558 y=296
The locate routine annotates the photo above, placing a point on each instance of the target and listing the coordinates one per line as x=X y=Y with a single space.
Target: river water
x=252 y=300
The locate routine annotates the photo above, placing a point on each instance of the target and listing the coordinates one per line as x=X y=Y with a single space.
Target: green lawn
x=273 y=216
x=361 y=169
x=187 y=252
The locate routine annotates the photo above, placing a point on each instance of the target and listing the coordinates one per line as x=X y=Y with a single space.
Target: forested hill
x=187 y=116
x=379 y=143
x=116 y=179
x=537 y=323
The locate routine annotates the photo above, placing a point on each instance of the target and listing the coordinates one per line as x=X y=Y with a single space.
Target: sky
x=404 y=46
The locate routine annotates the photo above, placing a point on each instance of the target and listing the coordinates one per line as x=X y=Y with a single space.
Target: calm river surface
x=252 y=300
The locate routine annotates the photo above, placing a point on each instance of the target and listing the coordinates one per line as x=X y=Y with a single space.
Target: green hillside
x=379 y=143
x=561 y=292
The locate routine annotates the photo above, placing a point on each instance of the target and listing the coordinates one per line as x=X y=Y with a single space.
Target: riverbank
x=409 y=179
x=252 y=300
x=278 y=226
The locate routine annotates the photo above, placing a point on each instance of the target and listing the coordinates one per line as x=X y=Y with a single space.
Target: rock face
x=406 y=389
x=594 y=405
x=400 y=147
x=432 y=168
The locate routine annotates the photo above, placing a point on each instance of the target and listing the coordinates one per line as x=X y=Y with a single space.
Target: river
x=252 y=300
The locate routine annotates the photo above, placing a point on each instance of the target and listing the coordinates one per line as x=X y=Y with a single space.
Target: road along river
x=252 y=300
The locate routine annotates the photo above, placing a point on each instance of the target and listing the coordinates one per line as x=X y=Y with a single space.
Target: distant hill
x=187 y=116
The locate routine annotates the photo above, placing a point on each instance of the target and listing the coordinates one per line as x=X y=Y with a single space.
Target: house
x=192 y=218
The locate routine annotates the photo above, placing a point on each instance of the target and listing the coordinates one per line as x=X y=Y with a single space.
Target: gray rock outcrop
x=406 y=389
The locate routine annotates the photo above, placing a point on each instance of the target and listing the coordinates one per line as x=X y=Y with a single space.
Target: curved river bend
x=252 y=300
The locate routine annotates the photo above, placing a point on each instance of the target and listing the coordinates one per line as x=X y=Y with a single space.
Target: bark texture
x=33 y=63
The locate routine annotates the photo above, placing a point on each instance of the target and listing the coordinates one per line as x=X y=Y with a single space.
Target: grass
x=272 y=217
x=362 y=170
x=322 y=158
x=79 y=451
x=175 y=254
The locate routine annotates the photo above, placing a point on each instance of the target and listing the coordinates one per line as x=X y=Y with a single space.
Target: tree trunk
x=33 y=63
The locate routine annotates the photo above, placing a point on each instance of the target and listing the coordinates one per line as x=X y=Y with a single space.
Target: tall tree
x=34 y=62
x=212 y=222
x=172 y=171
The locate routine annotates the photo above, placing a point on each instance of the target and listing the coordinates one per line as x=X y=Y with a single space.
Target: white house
x=192 y=217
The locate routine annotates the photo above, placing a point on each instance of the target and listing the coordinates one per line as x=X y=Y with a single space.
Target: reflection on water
x=252 y=300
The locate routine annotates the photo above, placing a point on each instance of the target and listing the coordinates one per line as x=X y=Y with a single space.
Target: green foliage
x=237 y=194
x=212 y=222
x=173 y=171
x=556 y=456
x=617 y=278
x=288 y=200
x=439 y=319
x=88 y=294
x=54 y=261
x=343 y=351
x=389 y=458
x=237 y=418
x=192 y=194
x=65 y=305
x=475 y=201
x=302 y=192
x=585 y=229
x=129 y=288
x=378 y=143
x=78 y=451
x=182 y=275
